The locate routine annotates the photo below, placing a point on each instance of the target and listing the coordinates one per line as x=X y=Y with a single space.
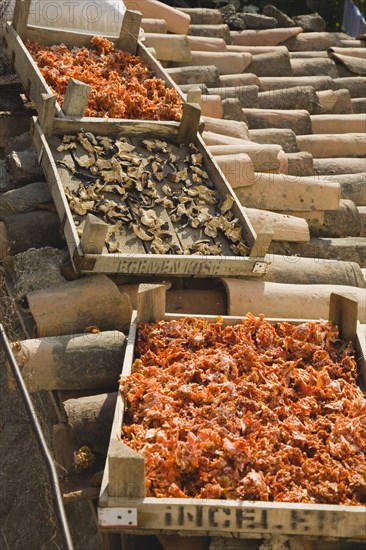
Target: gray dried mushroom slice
x=117 y=188
x=125 y=148
x=181 y=175
x=66 y=147
x=115 y=175
x=159 y=247
x=86 y=144
x=80 y=207
x=196 y=159
x=227 y=204
x=204 y=247
x=156 y=145
x=212 y=226
x=68 y=138
x=106 y=205
x=240 y=249
x=149 y=218
x=105 y=142
x=84 y=161
x=89 y=193
x=233 y=232
x=140 y=233
x=103 y=164
x=201 y=173
x=206 y=195
x=114 y=247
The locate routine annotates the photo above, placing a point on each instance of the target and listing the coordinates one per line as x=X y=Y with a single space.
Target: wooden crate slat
x=116 y=125
x=27 y=70
x=55 y=184
x=217 y=518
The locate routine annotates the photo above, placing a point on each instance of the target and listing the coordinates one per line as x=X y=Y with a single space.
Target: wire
x=37 y=429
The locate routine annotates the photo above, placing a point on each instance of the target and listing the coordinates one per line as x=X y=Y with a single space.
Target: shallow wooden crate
x=132 y=262
x=18 y=31
x=122 y=502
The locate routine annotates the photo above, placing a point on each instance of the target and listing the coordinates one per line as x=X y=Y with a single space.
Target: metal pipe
x=37 y=429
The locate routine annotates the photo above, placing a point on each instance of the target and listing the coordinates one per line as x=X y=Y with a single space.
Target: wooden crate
x=124 y=507
x=18 y=31
x=134 y=261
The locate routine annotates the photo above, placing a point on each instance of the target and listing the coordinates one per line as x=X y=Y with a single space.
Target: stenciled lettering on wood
x=197 y=266
x=244 y=519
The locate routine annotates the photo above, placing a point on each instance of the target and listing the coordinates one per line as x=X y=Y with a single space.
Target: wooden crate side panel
x=361 y=353
x=55 y=185
x=27 y=70
x=244 y=518
x=132 y=128
x=49 y=37
x=164 y=264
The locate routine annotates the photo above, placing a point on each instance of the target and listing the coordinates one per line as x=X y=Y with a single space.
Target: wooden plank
x=20 y=16
x=76 y=98
x=46 y=112
x=126 y=471
x=115 y=125
x=214 y=517
x=151 y=300
x=194 y=95
x=23 y=64
x=128 y=38
x=190 y=121
x=343 y=312
x=55 y=186
x=164 y=264
x=94 y=234
x=262 y=243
